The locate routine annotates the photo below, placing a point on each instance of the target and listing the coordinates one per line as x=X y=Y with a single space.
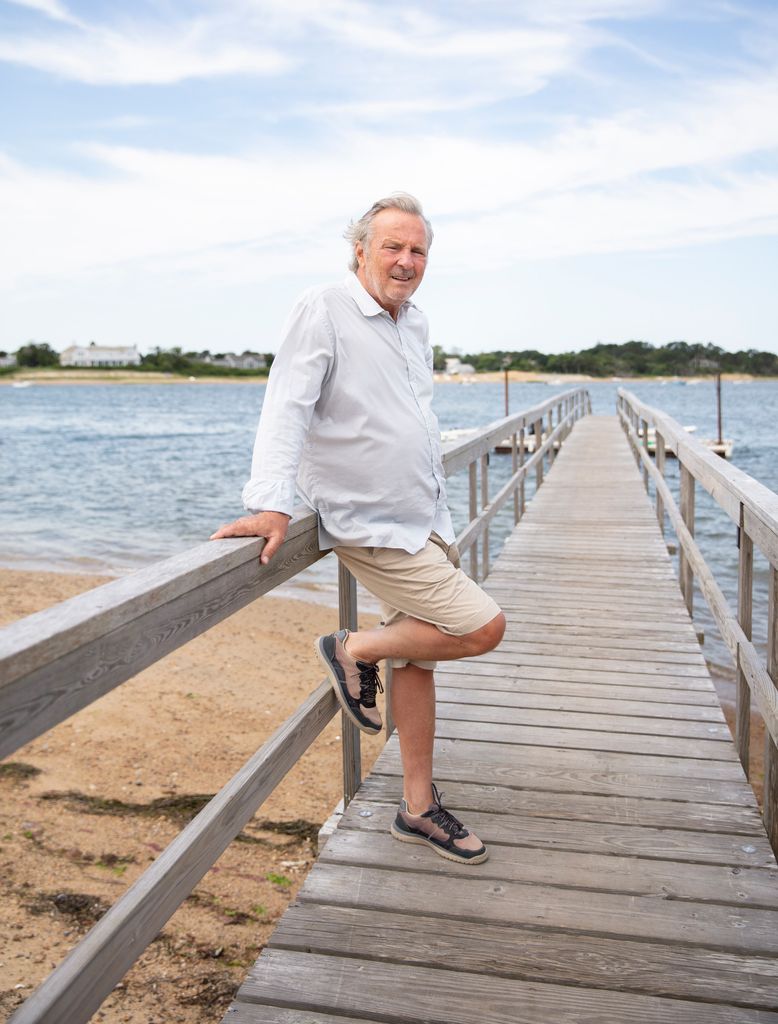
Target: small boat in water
x=21 y=383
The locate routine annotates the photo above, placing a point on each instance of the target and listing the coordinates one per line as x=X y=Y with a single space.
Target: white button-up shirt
x=347 y=422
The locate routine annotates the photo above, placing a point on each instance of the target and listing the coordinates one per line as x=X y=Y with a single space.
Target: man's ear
x=359 y=252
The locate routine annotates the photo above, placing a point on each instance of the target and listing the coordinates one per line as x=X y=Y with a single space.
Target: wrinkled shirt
x=347 y=423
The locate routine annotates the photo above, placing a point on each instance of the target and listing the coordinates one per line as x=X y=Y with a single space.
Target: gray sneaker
x=354 y=682
x=439 y=829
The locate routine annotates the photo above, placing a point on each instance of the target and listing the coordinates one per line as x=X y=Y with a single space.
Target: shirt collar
x=364 y=300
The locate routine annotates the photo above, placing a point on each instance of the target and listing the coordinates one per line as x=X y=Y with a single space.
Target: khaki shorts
x=429 y=585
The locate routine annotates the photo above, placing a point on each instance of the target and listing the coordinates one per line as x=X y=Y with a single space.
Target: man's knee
x=487 y=637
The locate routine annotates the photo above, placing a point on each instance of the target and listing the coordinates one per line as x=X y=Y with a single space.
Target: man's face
x=392 y=263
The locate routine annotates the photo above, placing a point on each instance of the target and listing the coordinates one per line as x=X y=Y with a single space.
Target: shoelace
x=447 y=821
x=369 y=682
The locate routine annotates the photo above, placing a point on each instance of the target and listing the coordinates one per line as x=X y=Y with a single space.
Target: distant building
x=455 y=366
x=245 y=361
x=7 y=359
x=100 y=355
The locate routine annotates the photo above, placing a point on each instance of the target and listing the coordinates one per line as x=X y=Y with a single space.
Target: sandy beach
x=87 y=806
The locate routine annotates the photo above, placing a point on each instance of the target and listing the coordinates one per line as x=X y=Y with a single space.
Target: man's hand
x=270 y=525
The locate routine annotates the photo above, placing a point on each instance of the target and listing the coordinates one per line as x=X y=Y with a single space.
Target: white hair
x=359 y=230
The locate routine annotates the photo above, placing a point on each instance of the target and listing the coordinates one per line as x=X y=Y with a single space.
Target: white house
x=246 y=361
x=100 y=355
x=7 y=359
x=454 y=365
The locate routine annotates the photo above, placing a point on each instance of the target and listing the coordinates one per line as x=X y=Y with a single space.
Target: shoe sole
x=335 y=683
x=405 y=838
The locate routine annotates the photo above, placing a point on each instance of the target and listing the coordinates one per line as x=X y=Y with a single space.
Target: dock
x=630 y=877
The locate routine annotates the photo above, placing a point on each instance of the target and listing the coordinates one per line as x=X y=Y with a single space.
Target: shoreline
x=35 y=376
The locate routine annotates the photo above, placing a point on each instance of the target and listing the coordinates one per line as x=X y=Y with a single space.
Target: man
x=347 y=423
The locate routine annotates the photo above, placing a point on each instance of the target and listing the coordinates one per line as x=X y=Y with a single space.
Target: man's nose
x=405 y=258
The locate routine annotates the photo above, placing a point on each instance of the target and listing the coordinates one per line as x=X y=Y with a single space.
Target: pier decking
x=630 y=877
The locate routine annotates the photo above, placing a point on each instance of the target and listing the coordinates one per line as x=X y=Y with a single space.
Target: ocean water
x=102 y=478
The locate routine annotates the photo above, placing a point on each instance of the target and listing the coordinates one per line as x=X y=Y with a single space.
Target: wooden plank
x=583 y=771
x=586 y=652
x=517 y=830
x=593 y=719
x=602 y=637
x=640 y=876
x=571 y=701
x=603 y=689
x=643 y=665
x=585 y=960
x=586 y=739
x=340 y=984
x=517 y=673
x=621 y=810
x=256 y=1013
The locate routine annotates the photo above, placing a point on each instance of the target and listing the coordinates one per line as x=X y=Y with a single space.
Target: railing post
x=660 y=466
x=522 y=453
x=388 y=716
x=514 y=468
x=472 y=470
x=687 y=513
x=538 y=428
x=352 y=754
x=484 y=503
x=770 y=797
x=644 y=433
x=745 y=577
x=559 y=418
x=550 y=432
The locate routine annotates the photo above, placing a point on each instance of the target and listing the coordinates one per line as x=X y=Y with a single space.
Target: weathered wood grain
x=714 y=749
x=581 y=960
x=641 y=876
x=518 y=830
x=315 y=982
x=570 y=701
x=59 y=660
x=625 y=810
x=583 y=771
x=594 y=719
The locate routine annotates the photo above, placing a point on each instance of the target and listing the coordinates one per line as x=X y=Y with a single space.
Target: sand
x=179 y=730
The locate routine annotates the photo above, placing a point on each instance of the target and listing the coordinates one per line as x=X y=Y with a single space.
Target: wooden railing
x=58 y=661
x=754 y=511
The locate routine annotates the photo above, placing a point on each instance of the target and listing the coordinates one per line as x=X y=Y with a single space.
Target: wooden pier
x=630 y=876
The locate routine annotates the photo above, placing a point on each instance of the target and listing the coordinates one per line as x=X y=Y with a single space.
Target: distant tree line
x=629 y=359
x=171 y=360
x=174 y=360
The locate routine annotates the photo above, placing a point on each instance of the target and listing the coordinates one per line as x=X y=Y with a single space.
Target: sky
x=176 y=173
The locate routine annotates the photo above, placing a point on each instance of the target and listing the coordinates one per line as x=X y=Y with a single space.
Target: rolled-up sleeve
x=304 y=360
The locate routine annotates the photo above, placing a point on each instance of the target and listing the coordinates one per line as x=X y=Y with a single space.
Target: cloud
x=631 y=181
x=131 y=53
x=52 y=8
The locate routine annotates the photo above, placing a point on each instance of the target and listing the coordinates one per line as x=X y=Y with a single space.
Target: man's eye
x=419 y=252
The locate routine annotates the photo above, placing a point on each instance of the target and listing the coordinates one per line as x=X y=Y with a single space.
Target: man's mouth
x=402 y=277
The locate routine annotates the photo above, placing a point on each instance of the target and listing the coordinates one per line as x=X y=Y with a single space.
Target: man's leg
x=413 y=708
x=421 y=641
